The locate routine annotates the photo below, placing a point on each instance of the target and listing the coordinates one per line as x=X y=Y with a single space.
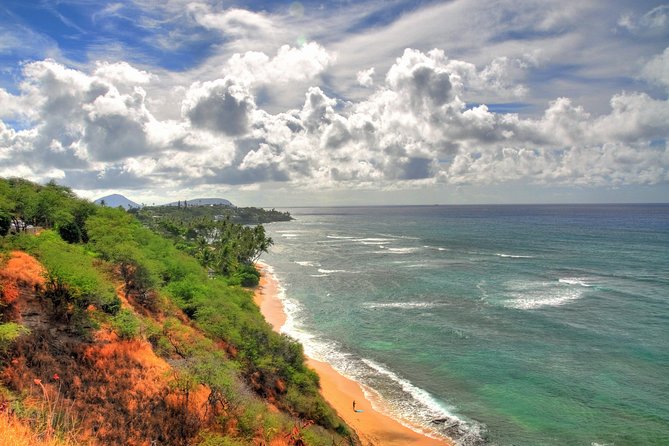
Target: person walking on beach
x=353 y=405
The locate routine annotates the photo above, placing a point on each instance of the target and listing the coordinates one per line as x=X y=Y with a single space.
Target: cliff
x=118 y=337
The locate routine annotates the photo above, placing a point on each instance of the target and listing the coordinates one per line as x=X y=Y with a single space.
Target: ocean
x=505 y=325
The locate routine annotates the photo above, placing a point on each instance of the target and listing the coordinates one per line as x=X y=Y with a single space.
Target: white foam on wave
x=534 y=304
x=438 y=248
x=512 y=256
x=307 y=263
x=431 y=408
x=419 y=410
x=581 y=281
x=404 y=237
x=319 y=275
x=290 y=235
x=339 y=237
x=313 y=347
x=535 y=295
x=331 y=271
x=374 y=241
x=402 y=305
x=482 y=287
x=402 y=250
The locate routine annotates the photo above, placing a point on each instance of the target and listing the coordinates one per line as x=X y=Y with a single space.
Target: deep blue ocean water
x=523 y=325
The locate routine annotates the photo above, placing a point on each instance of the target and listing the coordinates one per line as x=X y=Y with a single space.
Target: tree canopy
x=50 y=207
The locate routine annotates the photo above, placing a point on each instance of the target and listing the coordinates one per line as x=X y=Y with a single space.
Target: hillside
x=116 y=200
x=118 y=337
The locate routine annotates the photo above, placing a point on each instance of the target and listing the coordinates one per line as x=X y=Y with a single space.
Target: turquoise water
x=524 y=325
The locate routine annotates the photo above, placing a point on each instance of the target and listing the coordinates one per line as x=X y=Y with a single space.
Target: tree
x=23 y=197
x=5 y=223
x=81 y=211
x=48 y=206
x=70 y=232
x=112 y=234
x=137 y=280
x=53 y=205
x=7 y=205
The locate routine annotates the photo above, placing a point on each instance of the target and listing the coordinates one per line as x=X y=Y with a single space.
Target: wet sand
x=373 y=427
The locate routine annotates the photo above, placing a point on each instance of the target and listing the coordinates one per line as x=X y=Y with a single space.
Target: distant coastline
x=475 y=205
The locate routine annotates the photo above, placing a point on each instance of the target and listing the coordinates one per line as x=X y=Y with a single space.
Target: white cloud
x=657 y=69
x=112 y=9
x=234 y=21
x=223 y=106
x=318 y=110
x=654 y=21
x=414 y=127
x=290 y=64
x=10 y=105
x=421 y=79
x=8 y=42
x=121 y=73
x=634 y=117
x=242 y=30
x=366 y=77
x=115 y=126
x=263 y=157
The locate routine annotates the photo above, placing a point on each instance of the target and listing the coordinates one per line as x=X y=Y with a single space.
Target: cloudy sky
x=339 y=102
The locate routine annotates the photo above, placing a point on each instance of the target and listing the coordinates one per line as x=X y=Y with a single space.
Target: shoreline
x=372 y=427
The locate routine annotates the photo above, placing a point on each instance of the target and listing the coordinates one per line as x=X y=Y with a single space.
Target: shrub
x=72 y=276
x=187 y=294
x=126 y=324
x=251 y=418
x=210 y=439
x=248 y=276
x=112 y=305
x=70 y=232
x=9 y=332
x=312 y=407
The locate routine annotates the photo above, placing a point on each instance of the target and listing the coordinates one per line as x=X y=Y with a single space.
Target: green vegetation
x=186 y=213
x=218 y=236
x=126 y=324
x=9 y=332
x=73 y=281
x=159 y=264
x=51 y=206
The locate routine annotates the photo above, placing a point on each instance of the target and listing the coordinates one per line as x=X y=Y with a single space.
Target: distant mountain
x=116 y=200
x=203 y=202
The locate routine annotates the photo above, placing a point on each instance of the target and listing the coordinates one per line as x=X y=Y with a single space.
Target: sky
x=339 y=103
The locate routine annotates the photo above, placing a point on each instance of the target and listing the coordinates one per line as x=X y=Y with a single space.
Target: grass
x=17 y=433
x=45 y=421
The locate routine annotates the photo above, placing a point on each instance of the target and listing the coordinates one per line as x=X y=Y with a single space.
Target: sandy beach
x=373 y=427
